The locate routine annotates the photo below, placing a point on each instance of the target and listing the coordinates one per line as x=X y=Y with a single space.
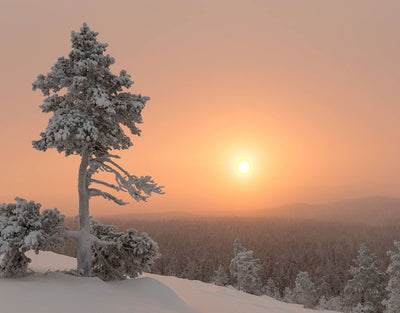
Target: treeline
x=196 y=248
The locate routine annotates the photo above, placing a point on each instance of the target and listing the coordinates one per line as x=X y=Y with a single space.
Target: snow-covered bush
x=117 y=255
x=288 y=295
x=366 y=288
x=392 y=303
x=332 y=304
x=220 y=277
x=245 y=269
x=363 y=308
x=271 y=289
x=304 y=290
x=23 y=228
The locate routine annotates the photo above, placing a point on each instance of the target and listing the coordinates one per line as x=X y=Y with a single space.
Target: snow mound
x=62 y=293
x=49 y=261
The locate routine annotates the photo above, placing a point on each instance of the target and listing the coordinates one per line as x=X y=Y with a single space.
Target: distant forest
x=194 y=248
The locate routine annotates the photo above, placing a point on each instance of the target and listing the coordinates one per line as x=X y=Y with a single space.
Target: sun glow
x=243 y=167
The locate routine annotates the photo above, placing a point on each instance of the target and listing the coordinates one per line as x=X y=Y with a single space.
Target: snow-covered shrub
x=332 y=304
x=191 y=270
x=304 y=290
x=245 y=269
x=366 y=288
x=271 y=289
x=117 y=255
x=220 y=277
x=363 y=308
x=288 y=295
x=392 y=303
x=23 y=228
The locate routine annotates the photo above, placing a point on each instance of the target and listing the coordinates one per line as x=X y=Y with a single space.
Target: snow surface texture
x=57 y=292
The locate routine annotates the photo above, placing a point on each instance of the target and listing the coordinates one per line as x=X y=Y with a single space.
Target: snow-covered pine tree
x=392 y=303
x=23 y=228
x=304 y=290
x=245 y=269
x=367 y=284
x=220 y=277
x=89 y=107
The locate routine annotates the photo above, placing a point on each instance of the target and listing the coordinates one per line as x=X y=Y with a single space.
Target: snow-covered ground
x=52 y=292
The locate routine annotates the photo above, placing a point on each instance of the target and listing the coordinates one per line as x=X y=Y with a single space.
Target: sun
x=243 y=167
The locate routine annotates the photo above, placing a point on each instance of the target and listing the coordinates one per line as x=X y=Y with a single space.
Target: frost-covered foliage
x=23 y=228
x=271 y=289
x=332 y=304
x=392 y=303
x=363 y=308
x=94 y=106
x=139 y=188
x=220 y=277
x=288 y=295
x=366 y=289
x=245 y=269
x=304 y=290
x=117 y=255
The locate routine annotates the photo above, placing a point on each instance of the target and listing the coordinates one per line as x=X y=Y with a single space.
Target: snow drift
x=55 y=292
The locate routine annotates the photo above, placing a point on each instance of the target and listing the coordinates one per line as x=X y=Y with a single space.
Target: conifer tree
x=89 y=107
x=392 y=303
x=304 y=290
x=220 y=277
x=245 y=269
x=367 y=284
x=271 y=289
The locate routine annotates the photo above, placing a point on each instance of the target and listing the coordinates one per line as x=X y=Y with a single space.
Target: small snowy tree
x=120 y=255
x=191 y=270
x=392 y=303
x=304 y=290
x=367 y=284
x=23 y=228
x=271 y=289
x=89 y=109
x=220 y=277
x=245 y=269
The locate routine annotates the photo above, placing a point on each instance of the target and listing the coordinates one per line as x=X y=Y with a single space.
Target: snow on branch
x=139 y=188
x=96 y=192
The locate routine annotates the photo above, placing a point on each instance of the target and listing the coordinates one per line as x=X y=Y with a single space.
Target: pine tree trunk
x=83 y=242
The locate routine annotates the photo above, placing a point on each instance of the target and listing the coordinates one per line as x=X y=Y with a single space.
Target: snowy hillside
x=58 y=293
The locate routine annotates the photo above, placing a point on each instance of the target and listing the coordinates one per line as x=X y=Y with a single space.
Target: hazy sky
x=308 y=91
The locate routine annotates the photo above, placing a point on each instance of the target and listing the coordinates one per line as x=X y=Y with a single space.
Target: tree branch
x=96 y=192
x=105 y=184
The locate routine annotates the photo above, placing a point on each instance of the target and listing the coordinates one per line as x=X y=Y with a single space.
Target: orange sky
x=308 y=91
